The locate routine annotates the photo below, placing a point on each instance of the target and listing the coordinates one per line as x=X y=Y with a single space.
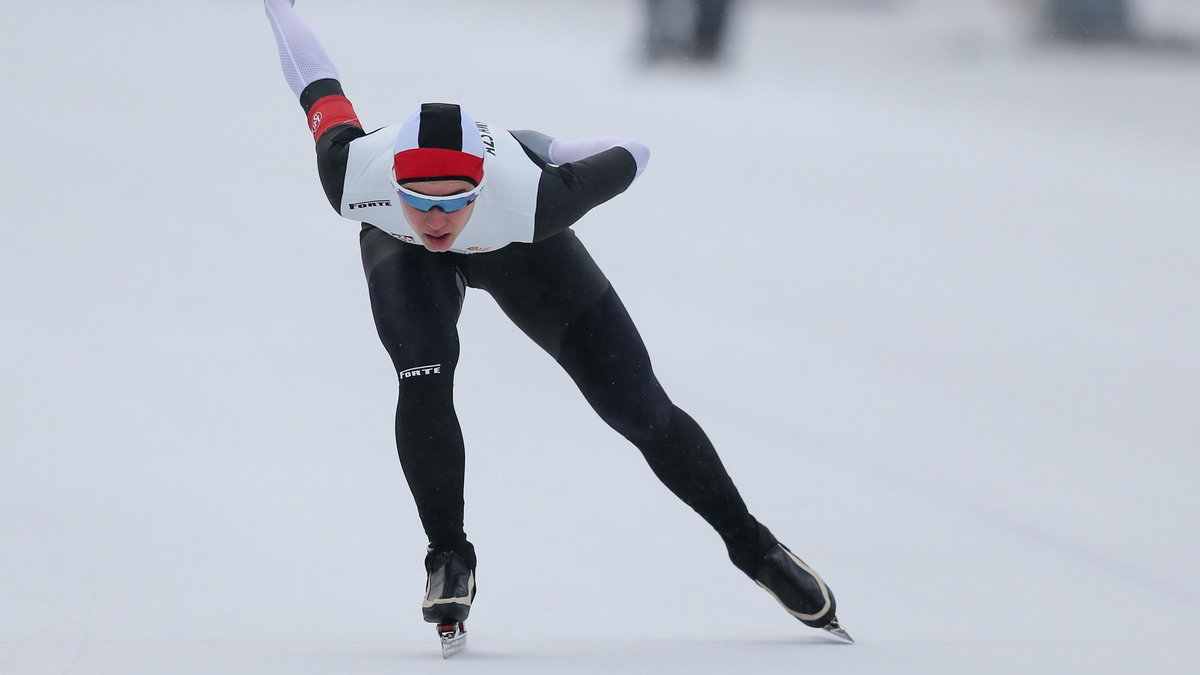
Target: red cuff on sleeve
x=329 y=112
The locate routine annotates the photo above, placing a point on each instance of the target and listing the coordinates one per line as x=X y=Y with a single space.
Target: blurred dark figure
x=689 y=30
x=1087 y=19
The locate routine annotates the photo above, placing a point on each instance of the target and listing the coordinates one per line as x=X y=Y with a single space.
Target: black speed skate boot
x=450 y=588
x=799 y=589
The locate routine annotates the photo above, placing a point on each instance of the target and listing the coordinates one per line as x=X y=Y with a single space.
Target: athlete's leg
x=556 y=294
x=603 y=352
x=416 y=298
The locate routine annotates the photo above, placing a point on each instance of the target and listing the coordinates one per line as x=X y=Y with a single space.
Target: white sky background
x=931 y=290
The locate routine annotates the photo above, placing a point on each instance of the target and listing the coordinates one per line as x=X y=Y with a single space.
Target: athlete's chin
x=438 y=244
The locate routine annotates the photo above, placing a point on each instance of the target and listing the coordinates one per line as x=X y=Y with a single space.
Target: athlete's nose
x=435 y=218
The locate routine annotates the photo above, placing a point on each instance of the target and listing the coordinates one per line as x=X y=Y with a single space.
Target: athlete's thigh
x=416 y=299
x=541 y=287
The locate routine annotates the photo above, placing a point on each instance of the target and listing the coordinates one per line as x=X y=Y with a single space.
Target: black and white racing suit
x=519 y=247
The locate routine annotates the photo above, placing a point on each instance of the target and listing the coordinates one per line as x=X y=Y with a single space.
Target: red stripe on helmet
x=435 y=164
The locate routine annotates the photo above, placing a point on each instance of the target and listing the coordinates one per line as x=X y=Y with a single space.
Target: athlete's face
x=436 y=228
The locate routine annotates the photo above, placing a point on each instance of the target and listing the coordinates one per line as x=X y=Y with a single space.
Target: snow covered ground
x=934 y=293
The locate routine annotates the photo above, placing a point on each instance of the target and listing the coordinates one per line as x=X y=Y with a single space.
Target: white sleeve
x=563 y=151
x=303 y=58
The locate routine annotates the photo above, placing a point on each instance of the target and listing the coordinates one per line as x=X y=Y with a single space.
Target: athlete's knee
x=637 y=415
x=425 y=417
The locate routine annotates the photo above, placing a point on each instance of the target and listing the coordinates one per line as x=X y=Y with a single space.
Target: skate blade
x=454 y=639
x=834 y=629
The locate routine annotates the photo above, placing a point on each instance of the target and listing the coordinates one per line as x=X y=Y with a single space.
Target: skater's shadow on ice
x=615 y=654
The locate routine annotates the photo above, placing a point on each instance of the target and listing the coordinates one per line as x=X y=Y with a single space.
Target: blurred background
x=925 y=270
x=699 y=30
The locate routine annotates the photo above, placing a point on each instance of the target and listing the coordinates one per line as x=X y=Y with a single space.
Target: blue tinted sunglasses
x=449 y=203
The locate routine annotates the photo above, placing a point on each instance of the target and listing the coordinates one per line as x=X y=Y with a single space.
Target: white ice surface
x=934 y=293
